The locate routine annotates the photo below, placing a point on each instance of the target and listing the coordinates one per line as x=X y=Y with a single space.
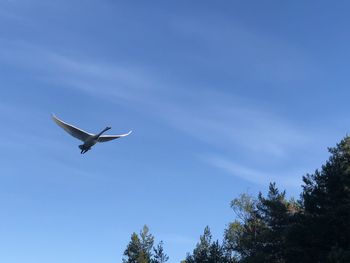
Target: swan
x=87 y=138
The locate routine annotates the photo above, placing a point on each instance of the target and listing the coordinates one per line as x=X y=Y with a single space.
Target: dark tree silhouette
x=159 y=255
x=321 y=231
x=207 y=251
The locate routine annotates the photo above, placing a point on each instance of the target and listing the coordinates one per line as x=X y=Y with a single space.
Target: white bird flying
x=88 y=139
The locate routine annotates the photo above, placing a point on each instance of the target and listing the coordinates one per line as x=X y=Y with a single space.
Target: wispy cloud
x=221 y=120
x=111 y=81
x=120 y=82
x=230 y=122
x=285 y=179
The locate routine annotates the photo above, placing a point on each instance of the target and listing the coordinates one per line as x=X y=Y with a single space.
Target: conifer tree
x=321 y=233
x=139 y=249
x=207 y=251
x=133 y=251
x=159 y=255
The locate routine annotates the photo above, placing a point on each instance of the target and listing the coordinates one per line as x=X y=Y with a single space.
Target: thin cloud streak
x=235 y=124
x=122 y=83
x=290 y=179
x=221 y=121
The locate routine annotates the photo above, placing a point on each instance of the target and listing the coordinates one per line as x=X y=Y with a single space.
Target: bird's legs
x=83 y=149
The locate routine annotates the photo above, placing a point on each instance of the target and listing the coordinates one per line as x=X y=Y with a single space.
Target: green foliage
x=133 y=250
x=147 y=241
x=240 y=238
x=207 y=251
x=139 y=249
x=258 y=234
x=159 y=255
x=243 y=206
x=321 y=232
x=315 y=228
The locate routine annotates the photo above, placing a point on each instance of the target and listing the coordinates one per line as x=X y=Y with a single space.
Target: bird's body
x=88 y=139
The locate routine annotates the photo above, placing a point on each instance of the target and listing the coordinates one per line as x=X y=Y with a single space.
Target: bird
x=87 y=138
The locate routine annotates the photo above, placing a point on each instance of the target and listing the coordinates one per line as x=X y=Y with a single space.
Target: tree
x=241 y=239
x=274 y=213
x=217 y=253
x=133 y=250
x=139 y=249
x=321 y=232
x=147 y=241
x=159 y=255
x=207 y=251
x=258 y=234
x=201 y=252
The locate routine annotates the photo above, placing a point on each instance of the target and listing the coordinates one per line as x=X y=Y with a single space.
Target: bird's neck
x=104 y=130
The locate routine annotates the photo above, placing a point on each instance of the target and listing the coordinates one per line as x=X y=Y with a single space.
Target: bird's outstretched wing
x=106 y=138
x=72 y=130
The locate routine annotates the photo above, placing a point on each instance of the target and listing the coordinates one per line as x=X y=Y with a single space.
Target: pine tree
x=217 y=253
x=274 y=213
x=159 y=255
x=133 y=250
x=207 y=251
x=322 y=232
x=139 y=249
x=201 y=252
x=147 y=241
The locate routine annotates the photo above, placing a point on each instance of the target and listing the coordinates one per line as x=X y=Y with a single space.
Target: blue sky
x=223 y=97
